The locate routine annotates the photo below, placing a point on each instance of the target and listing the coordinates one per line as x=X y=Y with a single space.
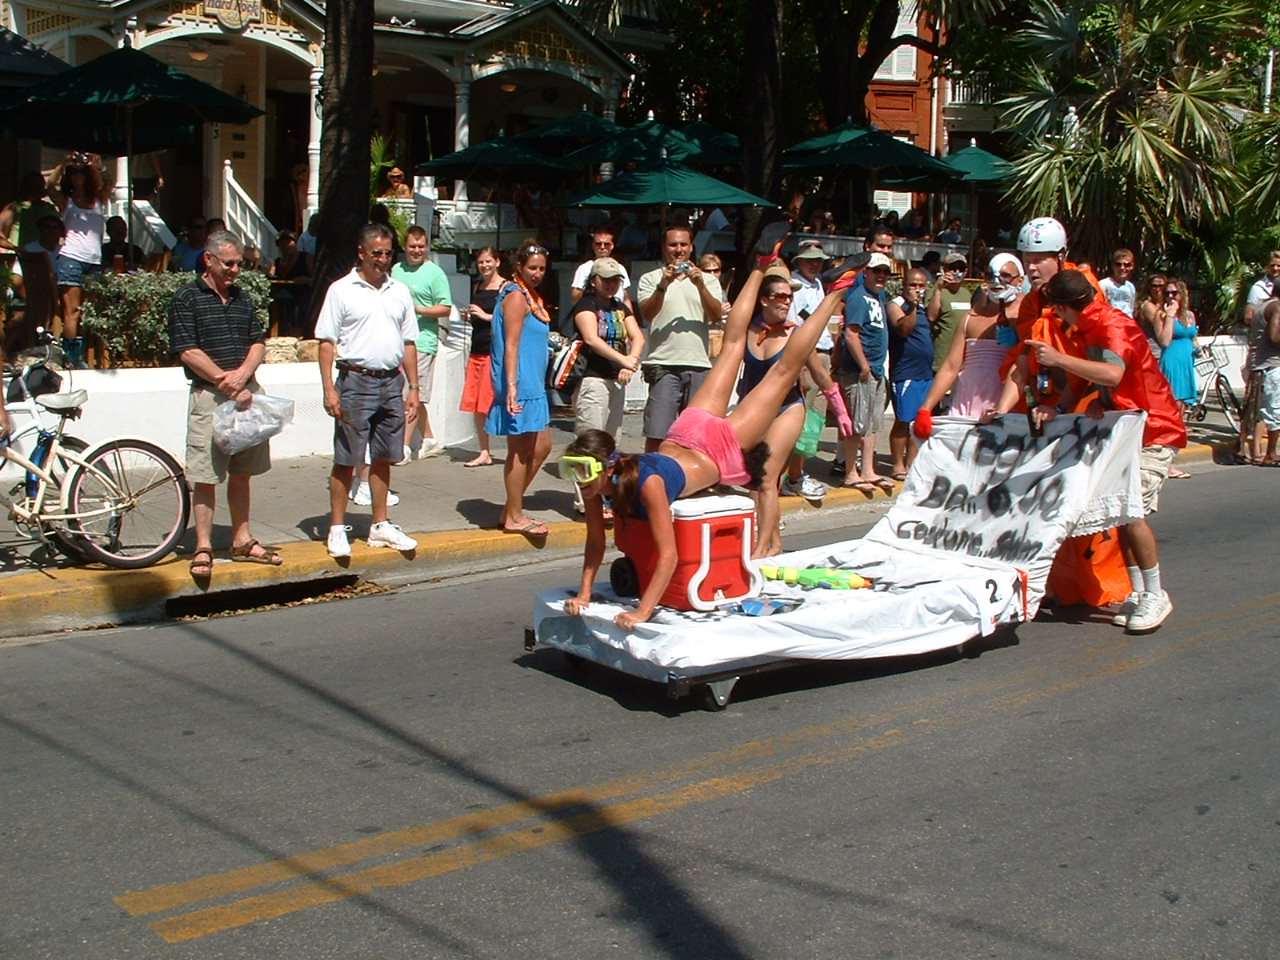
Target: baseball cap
x=780 y=270
x=606 y=267
x=879 y=260
x=810 y=250
x=954 y=259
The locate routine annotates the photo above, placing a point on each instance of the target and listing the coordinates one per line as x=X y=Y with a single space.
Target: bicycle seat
x=61 y=402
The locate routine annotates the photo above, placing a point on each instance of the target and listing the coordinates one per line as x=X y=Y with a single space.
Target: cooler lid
x=700 y=508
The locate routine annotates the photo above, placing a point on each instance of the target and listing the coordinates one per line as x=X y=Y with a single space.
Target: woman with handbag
x=477 y=387
x=518 y=357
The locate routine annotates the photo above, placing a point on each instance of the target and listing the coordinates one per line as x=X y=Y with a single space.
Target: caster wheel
x=623 y=577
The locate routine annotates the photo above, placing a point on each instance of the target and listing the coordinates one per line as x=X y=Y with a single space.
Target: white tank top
x=84 y=233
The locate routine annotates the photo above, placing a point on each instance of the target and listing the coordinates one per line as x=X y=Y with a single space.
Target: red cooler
x=714 y=538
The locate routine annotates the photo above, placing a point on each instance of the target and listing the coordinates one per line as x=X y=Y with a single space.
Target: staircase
x=243 y=217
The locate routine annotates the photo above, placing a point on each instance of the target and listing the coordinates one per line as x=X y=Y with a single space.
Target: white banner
x=995 y=492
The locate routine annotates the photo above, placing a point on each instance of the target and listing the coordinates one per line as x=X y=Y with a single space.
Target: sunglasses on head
x=534 y=250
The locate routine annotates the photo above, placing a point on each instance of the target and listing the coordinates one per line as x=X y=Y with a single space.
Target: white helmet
x=1042 y=235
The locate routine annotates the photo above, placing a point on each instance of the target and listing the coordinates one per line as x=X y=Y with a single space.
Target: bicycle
x=124 y=503
x=1209 y=366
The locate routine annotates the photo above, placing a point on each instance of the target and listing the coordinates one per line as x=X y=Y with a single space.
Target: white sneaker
x=339 y=545
x=361 y=496
x=811 y=489
x=1153 y=609
x=1127 y=606
x=430 y=447
x=388 y=534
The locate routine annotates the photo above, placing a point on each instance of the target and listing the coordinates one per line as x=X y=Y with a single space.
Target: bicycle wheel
x=132 y=503
x=1230 y=405
x=62 y=541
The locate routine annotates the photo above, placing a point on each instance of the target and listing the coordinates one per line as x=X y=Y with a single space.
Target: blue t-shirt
x=911 y=358
x=866 y=311
x=661 y=465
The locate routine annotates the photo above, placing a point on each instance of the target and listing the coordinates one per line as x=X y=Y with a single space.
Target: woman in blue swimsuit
x=705 y=445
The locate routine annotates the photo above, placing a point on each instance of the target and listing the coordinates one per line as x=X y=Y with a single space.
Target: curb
x=78 y=597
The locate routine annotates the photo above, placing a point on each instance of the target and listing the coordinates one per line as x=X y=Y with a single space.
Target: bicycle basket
x=40 y=381
x=1205 y=365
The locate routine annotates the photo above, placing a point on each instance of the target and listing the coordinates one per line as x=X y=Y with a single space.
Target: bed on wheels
x=964 y=553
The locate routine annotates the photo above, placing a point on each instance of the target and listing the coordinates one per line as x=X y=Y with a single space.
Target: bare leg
x=379 y=485
x=716 y=390
x=340 y=479
x=484 y=457
x=781 y=437
x=71 y=311
x=238 y=502
x=901 y=447
x=203 y=501
x=1138 y=541
x=515 y=479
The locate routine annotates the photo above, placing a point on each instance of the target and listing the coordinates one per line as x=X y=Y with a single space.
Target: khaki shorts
x=599 y=405
x=426 y=376
x=206 y=463
x=1154 y=470
x=866 y=402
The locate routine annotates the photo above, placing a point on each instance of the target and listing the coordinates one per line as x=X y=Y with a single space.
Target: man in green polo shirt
x=431 y=304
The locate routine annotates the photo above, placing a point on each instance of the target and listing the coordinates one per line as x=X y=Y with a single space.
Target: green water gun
x=826 y=577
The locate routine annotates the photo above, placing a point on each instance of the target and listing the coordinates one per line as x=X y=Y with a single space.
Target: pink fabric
x=702 y=430
x=978 y=387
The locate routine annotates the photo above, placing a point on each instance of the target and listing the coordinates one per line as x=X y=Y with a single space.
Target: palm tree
x=1127 y=114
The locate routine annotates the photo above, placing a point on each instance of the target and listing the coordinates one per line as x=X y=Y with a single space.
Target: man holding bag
x=215 y=333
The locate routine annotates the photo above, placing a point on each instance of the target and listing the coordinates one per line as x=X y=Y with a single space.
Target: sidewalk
x=451 y=510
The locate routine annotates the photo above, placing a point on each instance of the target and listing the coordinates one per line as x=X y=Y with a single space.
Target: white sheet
x=1001 y=504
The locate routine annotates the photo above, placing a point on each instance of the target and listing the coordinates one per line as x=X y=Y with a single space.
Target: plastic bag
x=807 y=444
x=235 y=429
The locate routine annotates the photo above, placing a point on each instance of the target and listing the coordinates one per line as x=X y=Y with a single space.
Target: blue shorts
x=372 y=419
x=71 y=273
x=907 y=397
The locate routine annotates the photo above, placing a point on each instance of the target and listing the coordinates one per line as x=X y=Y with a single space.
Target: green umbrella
x=664 y=182
x=836 y=135
x=496 y=161
x=122 y=99
x=649 y=141
x=874 y=151
x=710 y=137
x=976 y=165
x=577 y=129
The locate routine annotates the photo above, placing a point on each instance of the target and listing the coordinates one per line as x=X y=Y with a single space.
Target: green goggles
x=581 y=470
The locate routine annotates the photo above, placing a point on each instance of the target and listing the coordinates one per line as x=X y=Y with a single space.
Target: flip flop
x=477 y=462
x=533 y=528
x=884 y=483
x=862 y=486
x=202 y=569
x=243 y=553
x=900 y=476
x=1179 y=475
x=1269 y=463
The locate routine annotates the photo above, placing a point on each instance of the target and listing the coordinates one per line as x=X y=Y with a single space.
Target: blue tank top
x=753 y=371
x=672 y=474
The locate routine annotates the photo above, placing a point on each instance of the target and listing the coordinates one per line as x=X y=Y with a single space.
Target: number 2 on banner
x=995 y=591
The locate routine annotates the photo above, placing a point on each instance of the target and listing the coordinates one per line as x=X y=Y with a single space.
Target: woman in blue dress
x=520 y=411
x=1177 y=335
x=1178 y=339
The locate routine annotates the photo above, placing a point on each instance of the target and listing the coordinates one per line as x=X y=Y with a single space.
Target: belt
x=376 y=374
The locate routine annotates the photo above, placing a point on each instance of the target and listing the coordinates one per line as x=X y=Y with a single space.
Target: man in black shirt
x=215 y=332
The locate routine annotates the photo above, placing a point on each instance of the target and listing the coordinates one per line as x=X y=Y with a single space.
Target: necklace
x=536 y=306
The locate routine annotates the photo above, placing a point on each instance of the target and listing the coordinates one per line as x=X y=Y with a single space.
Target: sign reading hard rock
x=233 y=14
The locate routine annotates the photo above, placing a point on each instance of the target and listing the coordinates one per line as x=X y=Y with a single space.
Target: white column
x=120 y=189
x=313 y=147
x=461 y=128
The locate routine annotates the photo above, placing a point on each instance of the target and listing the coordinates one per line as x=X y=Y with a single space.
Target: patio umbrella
x=118 y=103
x=710 y=137
x=979 y=166
x=648 y=141
x=836 y=135
x=874 y=151
x=576 y=130
x=22 y=62
x=496 y=161
x=664 y=182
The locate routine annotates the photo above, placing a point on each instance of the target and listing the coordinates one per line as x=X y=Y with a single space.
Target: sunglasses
x=534 y=250
x=378 y=254
x=230 y=264
x=581 y=470
x=780 y=297
x=1122 y=263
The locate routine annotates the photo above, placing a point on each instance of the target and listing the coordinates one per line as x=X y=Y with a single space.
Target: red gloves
x=923 y=425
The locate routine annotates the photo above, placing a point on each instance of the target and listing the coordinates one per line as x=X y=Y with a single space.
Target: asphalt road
x=394 y=777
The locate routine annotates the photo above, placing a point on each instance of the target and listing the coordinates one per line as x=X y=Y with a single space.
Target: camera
x=684 y=266
x=80 y=159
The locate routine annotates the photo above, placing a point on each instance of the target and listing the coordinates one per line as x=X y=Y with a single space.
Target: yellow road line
x=213 y=919
x=169 y=896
